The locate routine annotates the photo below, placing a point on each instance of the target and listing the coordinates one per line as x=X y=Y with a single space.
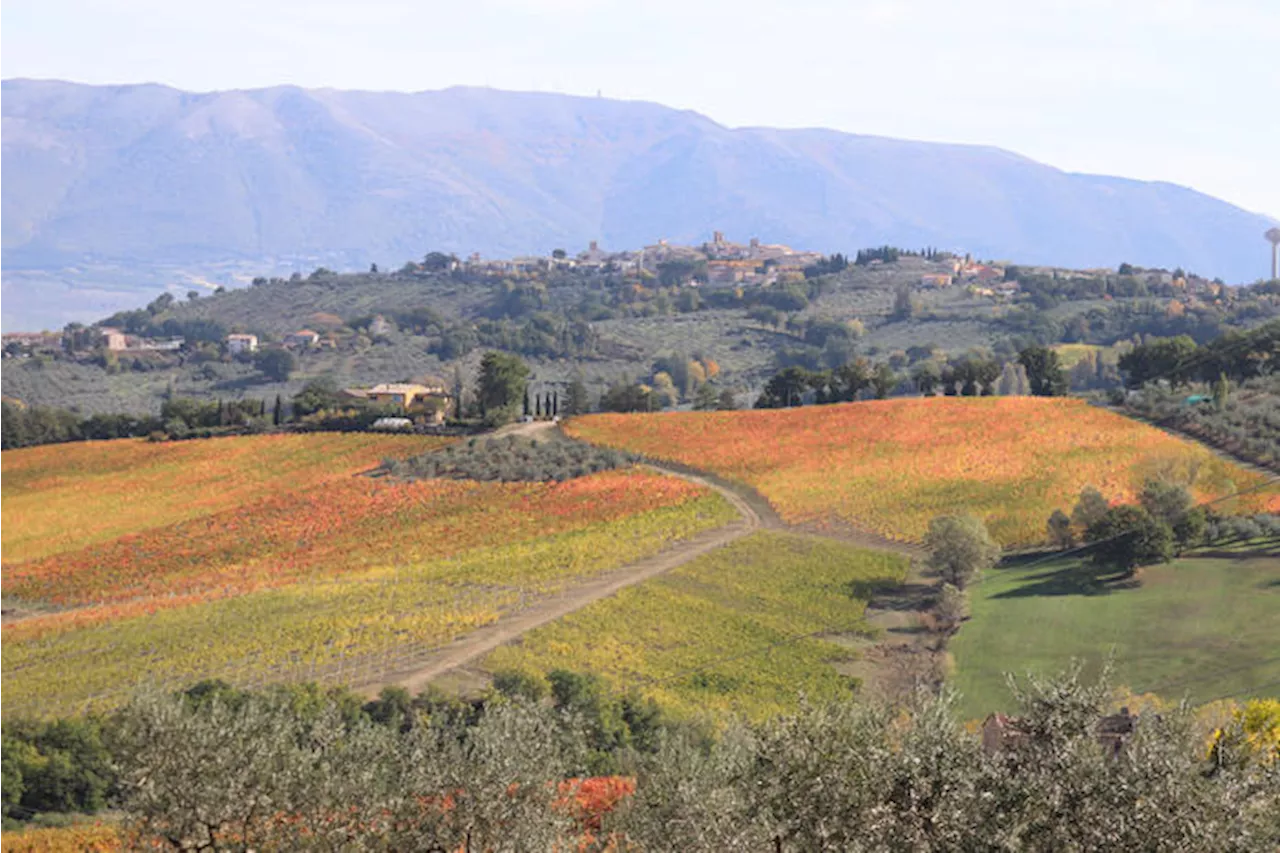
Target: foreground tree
x=960 y=548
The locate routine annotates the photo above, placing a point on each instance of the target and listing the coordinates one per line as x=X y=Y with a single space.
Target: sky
x=1185 y=91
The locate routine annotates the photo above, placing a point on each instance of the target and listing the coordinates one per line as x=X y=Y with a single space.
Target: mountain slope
x=145 y=176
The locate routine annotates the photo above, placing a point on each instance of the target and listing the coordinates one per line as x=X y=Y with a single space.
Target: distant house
x=237 y=343
x=983 y=274
x=27 y=342
x=935 y=280
x=302 y=338
x=428 y=401
x=114 y=339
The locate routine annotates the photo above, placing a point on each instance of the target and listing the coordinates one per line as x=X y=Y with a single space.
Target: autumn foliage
x=248 y=555
x=889 y=466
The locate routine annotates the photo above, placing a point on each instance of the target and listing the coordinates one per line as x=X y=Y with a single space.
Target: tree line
x=1037 y=371
x=302 y=768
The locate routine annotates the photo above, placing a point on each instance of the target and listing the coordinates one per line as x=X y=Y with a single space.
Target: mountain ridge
x=149 y=179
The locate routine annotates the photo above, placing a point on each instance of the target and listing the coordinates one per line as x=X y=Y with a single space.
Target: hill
x=889 y=466
x=256 y=558
x=112 y=189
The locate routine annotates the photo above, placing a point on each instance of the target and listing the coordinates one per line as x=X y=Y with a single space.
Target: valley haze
x=113 y=193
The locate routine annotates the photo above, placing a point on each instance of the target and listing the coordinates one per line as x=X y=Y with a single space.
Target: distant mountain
x=145 y=180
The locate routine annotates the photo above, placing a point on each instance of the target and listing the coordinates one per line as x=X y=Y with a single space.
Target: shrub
x=510 y=459
x=1060 y=533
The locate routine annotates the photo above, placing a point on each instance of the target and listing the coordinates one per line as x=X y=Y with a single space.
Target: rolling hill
x=113 y=189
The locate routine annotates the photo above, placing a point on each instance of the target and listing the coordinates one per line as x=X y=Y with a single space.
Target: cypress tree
x=278 y=415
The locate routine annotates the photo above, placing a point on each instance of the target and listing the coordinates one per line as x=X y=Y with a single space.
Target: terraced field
x=889 y=466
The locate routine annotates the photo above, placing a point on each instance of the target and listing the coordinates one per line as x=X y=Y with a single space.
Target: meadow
x=889 y=466
x=333 y=573
x=716 y=634
x=1204 y=627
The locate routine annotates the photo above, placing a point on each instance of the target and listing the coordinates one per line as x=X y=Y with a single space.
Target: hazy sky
x=1185 y=91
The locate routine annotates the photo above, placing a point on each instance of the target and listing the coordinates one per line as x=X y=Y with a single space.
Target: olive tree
x=960 y=548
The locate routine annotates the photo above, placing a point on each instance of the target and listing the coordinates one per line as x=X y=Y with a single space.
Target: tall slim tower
x=1274 y=236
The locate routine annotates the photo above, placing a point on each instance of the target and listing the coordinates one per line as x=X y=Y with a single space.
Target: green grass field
x=1200 y=627
x=698 y=639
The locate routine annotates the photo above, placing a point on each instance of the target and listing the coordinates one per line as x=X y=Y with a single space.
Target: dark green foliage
x=514 y=683
x=577 y=401
x=501 y=387
x=1171 y=359
x=57 y=766
x=276 y=364
x=1044 y=371
x=606 y=725
x=1059 y=529
x=786 y=389
x=510 y=459
x=627 y=398
x=826 y=266
x=705 y=398
x=1190 y=528
x=1127 y=537
x=393 y=708
x=1090 y=508
x=21 y=426
x=885 y=254
x=1165 y=502
x=317 y=395
x=438 y=261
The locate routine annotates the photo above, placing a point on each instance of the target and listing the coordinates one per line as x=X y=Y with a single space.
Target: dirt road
x=470 y=647
x=755 y=514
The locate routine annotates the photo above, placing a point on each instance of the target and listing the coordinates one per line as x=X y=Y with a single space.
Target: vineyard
x=98 y=837
x=719 y=632
x=889 y=466
x=338 y=578
x=65 y=496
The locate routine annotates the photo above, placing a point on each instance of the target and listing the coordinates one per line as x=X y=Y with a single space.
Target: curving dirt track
x=755 y=514
x=476 y=644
